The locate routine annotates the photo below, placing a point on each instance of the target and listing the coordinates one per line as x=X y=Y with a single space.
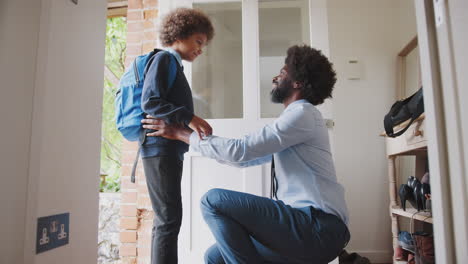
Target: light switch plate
x=52 y=232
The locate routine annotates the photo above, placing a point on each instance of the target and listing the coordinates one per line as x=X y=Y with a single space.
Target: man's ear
x=297 y=85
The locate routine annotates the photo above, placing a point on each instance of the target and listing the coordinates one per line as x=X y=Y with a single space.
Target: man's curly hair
x=313 y=70
x=181 y=23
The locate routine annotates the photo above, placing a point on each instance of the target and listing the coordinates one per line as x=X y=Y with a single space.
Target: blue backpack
x=128 y=110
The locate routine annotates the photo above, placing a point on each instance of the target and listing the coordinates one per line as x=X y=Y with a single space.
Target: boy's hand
x=201 y=127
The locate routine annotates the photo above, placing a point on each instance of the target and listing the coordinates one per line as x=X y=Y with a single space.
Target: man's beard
x=281 y=92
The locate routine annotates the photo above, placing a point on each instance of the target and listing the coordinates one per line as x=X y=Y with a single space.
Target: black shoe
x=412 y=181
x=425 y=189
x=406 y=193
x=418 y=197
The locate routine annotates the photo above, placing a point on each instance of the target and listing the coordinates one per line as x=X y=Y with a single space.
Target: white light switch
x=353 y=69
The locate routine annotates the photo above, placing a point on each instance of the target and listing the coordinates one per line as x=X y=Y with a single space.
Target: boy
x=167 y=95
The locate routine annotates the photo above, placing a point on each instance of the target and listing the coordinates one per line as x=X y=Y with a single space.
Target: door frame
x=444 y=115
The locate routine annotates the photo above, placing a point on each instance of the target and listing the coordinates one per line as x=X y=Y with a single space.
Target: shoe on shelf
x=425 y=190
x=425 y=178
x=418 y=197
x=400 y=254
x=406 y=194
x=405 y=240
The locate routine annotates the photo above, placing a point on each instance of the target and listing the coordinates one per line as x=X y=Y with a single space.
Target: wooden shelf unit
x=412 y=143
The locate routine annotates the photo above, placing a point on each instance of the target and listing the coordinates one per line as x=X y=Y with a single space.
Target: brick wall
x=136 y=216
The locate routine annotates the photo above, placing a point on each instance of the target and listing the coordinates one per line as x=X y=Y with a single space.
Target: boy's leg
x=163 y=177
x=253 y=229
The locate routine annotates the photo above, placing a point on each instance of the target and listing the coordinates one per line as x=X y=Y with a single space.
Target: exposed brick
x=128 y=237
x=126 y=168
x=127 y=260
x=135 y=15
x=128 y=61
x=128 y=210
x=148 y=46
x=144 y=238
x=142 y=189
x=134 y=49
x=144 y=202
x=148 y=25
x=129 y=158
x=129 y=145
x=134 y=38
x=129 y=197
x=145 y=214
x=136 y=234
x=146 y=226
x=141 y=179
x=126 y=184
x=135 y=4
x=150 y=14
x=145 y=260
x=129 y=223
x=150 y=3
x=145 y=251
x=150 y=35
x=135 y=26
x=128 y=250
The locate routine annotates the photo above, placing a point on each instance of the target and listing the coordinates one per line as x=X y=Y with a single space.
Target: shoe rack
x=412 y=143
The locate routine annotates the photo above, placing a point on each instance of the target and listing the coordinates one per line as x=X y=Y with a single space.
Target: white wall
x=19 y=25
x=372 y=32
x=52 y=73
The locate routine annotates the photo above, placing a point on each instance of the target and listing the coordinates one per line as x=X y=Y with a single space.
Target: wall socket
x=52 y=232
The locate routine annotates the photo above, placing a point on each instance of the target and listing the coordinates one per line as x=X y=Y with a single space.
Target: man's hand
x=174 y=131
x=200 y=126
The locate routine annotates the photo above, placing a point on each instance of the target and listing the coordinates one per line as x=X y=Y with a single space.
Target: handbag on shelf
x=408 y=109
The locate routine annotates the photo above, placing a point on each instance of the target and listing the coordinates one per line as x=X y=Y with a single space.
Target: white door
x=231 y=82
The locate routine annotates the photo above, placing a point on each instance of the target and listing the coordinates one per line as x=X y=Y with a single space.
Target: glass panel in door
x=281 y=25
x=217 y=73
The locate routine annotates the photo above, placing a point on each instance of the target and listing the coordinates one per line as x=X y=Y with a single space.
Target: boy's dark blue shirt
x=172 y=103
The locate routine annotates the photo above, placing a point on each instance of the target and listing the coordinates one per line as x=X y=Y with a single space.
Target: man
x=307 y=223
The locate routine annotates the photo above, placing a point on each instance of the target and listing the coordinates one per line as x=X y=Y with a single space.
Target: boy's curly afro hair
x=181 y=23
x=313 y=70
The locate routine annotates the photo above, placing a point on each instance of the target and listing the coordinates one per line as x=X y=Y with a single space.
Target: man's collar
x=176 y=54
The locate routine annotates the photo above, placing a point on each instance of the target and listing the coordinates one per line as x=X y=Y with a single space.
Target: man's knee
x=213 y=256
x=211 y=200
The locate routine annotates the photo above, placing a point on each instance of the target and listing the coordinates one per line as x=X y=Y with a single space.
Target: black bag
x=410 y=108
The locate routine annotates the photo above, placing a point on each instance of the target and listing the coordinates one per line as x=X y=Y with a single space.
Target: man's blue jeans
x=253 y=230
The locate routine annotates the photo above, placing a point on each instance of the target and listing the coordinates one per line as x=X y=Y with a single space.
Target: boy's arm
x=155 y=89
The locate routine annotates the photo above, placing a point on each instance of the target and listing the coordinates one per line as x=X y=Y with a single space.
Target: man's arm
x=246 y=164
x=178 y=132
x=291 y=128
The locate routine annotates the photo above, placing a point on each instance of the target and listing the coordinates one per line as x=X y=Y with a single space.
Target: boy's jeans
x=163 y=177
x=252 y=229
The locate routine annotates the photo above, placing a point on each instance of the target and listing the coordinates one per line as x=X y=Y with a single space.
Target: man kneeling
x=305 y=219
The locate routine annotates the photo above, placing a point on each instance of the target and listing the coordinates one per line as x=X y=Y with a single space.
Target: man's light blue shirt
x=304 y=167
